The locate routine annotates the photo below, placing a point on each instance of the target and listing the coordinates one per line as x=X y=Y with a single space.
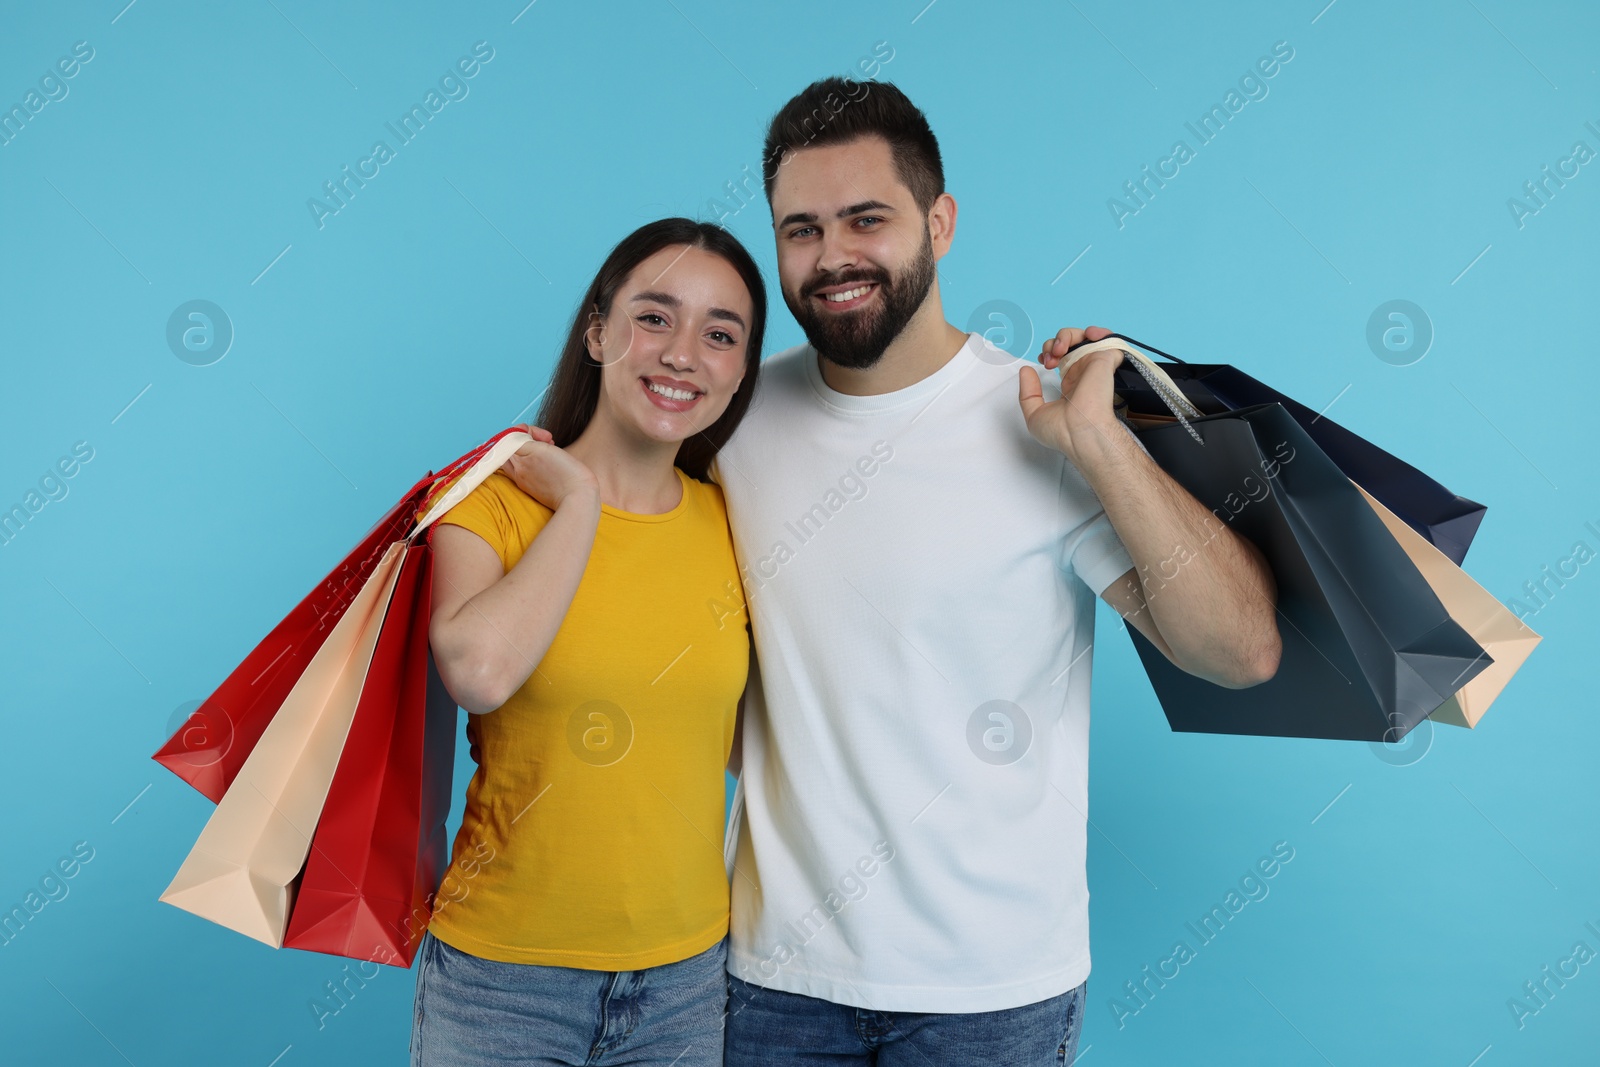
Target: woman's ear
x=594 y=337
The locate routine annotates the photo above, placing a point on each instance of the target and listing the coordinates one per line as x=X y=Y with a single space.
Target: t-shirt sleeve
x=484 y=512
x=1095 y=553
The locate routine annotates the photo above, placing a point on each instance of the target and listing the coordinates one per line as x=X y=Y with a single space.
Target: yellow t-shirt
x=593 y=829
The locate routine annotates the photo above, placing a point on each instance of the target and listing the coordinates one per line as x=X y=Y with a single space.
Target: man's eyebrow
x=843 y=213
x=656 y=296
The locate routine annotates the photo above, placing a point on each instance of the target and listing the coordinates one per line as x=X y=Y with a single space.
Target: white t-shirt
x=921 y=576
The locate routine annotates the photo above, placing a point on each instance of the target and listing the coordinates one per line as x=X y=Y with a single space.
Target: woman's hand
x=547 y=473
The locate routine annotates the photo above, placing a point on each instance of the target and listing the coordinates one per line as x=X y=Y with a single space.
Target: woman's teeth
x=670 y=393
x=849 y=294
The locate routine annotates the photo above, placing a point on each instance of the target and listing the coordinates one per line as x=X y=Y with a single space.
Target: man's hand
x=1084 y=412
x=1151 y=513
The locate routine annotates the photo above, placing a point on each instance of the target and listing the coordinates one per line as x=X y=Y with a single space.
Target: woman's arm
x=490 y=627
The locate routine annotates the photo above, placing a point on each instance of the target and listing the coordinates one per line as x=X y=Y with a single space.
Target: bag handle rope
x=1149 y=369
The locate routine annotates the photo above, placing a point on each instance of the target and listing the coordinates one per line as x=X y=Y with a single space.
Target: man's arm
x=751 y=678
x=1201 y=593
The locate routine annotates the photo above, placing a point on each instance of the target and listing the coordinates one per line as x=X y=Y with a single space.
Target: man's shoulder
x=779 y=390
x=996 y=362
x=788 y=364
x=780 y=384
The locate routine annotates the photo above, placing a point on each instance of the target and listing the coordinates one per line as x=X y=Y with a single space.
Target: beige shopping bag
x=242 y=871
x=1506 y=638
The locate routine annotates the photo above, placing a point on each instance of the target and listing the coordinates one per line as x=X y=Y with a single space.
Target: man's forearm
x=1208 y=590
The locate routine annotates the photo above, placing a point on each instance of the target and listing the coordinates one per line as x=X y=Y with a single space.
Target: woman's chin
x=664 y=432
x=672 y=427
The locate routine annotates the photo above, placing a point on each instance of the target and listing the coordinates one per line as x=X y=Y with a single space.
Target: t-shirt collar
x=917 y=393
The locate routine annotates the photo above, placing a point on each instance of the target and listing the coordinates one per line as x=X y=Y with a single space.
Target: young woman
x=588 y=611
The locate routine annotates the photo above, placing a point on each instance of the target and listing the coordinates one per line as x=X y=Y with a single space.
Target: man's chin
x=845 y=351
x=851 y=360
x=854 y=348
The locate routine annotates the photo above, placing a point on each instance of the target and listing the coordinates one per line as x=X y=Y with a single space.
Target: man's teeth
x=849 y=294
x=670 y=393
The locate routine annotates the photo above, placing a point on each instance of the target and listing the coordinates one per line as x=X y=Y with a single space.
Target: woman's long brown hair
x=575 y=386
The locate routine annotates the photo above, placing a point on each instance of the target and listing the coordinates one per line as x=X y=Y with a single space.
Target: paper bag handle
x=490 y=457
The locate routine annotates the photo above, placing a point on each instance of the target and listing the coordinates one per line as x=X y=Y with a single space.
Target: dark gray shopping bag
x=1368 y=648
x=1447 y=519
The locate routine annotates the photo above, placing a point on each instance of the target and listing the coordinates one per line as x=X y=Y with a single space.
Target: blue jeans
x=471 y=1011
x=773 y=1026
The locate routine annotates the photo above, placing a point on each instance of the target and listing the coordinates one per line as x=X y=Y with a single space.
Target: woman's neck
x=635 y=474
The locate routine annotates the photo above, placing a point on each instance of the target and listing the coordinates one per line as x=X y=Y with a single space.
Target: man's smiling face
x=855 y=255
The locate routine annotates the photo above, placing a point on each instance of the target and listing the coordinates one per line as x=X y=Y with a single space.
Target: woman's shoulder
x=498 y=501
x=707 y=494
x=502 y=487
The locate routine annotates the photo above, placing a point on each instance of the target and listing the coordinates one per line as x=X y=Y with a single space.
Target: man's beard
x=857 y=339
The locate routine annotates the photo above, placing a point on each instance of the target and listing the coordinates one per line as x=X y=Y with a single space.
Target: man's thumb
x=1030 y=394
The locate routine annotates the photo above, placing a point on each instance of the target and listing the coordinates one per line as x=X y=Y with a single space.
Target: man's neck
x=927 y=343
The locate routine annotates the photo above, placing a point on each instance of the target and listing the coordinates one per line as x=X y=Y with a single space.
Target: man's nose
x=837 y=253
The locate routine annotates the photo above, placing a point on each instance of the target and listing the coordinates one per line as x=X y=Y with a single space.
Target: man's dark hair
x=839 y=110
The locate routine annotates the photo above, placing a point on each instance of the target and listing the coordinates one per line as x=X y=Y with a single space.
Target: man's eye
x=870 y=218
x=802 y=231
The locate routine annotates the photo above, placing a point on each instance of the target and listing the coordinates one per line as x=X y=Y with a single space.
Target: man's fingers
x=1029 y=393
x=1056 y=347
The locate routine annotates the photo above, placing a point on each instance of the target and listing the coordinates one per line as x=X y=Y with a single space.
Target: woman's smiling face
x=673 y=346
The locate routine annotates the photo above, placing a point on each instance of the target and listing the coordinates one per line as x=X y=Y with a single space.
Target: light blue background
x=426 y=315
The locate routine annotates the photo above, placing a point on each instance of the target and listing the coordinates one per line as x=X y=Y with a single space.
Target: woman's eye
x=723 y=337
x=652 y=318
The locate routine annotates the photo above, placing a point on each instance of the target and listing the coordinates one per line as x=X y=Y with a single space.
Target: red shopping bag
x=380 y=846
x=381 y=837
x=213 y=743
